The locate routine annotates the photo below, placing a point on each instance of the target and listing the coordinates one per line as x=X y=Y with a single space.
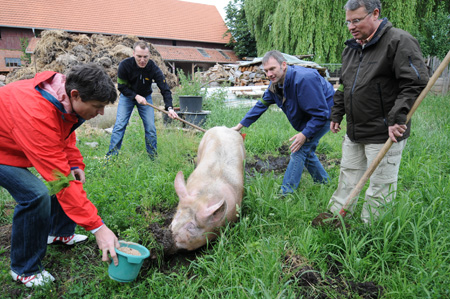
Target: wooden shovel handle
x=178 y=118
x=355 y=192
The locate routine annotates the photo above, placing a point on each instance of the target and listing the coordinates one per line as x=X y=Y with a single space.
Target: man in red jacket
x=38 y=119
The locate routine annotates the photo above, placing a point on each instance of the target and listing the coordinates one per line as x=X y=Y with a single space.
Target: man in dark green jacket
x=382 y=74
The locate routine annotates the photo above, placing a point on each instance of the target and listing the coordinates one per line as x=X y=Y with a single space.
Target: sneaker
x=35 y=280
x=71 y=240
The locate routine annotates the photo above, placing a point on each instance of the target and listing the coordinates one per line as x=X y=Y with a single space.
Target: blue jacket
x=307 y=100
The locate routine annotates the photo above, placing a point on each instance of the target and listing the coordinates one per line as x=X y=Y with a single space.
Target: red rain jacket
x=34 y=132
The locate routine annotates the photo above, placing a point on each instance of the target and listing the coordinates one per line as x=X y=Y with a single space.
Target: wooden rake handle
x=355 y=192
x=178 y=118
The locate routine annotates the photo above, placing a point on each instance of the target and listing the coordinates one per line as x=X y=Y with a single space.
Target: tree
x=434 y=33
x=317 y=27
x=242 y=40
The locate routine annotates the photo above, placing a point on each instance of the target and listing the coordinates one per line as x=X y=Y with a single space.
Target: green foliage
x=406 y=251
x=242 y=39
x=23 y=45
x=434 y=33
x=189 y=85
x=317 y=27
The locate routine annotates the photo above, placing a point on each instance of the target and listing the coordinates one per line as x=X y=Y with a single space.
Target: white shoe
x=71 y=240
x=35 y=280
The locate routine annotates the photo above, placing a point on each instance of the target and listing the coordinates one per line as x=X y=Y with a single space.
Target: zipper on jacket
x=411 y=64
x=353 y=89
x=382 y=105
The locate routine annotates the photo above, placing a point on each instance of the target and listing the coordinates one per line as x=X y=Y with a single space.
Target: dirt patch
x=312 y=285
x=5 y=238
x=279 y=163
x=129 y=250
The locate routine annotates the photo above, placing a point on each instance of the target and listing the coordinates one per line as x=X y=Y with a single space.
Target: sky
x=220 y=4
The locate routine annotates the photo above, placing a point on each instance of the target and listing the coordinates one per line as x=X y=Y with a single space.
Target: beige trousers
x=356 y=158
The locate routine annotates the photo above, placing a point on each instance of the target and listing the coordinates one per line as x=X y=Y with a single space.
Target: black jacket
x=379 y=84
x=133 y=80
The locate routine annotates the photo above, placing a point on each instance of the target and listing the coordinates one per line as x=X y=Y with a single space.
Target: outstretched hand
x=107 y=242
x=298 y=141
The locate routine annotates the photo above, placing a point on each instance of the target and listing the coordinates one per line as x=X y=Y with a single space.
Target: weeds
x=406 y=251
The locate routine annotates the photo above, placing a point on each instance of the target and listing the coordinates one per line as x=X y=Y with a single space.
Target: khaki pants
x=356 y=158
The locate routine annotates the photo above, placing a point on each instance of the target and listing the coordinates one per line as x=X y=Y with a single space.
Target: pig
x=213 y=191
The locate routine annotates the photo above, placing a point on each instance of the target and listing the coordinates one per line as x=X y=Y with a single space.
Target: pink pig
x=213 y=191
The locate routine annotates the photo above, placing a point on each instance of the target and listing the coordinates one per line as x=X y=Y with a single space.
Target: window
x=203 y=52
x=174 y=43
x=223 y=54
x=12 y=62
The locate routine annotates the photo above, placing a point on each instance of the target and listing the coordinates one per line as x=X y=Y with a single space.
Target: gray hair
x=277 y=55
x=369 y=5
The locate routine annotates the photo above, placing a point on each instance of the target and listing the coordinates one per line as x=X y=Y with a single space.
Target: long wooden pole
x=355 y=192
x=178 y=118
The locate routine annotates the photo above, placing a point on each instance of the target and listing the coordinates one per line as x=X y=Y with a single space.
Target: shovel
x=180 y=119
x=327 y=218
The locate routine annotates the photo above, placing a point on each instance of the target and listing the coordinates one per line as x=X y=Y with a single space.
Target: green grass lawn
x=272 y=251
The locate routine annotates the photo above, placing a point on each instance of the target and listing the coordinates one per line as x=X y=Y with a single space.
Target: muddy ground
x=309 y=281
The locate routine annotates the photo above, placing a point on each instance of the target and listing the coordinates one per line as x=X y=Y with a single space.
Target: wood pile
x=250 y=75
x=247 y=74
x=218 y=74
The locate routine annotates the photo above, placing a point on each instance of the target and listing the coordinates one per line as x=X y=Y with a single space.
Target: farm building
x=188 y=36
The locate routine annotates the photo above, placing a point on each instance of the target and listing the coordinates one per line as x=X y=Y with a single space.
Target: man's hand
x=335 y=127
x=299 y=139
x=238 y=127
x=107 y=241
x=172 y=113
x=79 y=175
x=396 y=131
x=140 y=99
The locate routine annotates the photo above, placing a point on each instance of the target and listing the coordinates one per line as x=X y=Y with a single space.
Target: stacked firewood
x=219 y=74
x=250 y=75
x=247 y=74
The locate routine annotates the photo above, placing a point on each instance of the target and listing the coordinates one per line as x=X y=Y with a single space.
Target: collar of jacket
x=273 y=87
x=384 y=26
x=59 y=105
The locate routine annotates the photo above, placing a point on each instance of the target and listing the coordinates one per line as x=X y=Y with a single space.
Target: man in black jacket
x=382 y=74
x=135 y=77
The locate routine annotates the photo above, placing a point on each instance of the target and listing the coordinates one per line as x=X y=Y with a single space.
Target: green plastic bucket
x=129 y=265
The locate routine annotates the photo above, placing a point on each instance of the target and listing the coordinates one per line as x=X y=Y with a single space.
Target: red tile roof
x=161 y=19
x=193 y=54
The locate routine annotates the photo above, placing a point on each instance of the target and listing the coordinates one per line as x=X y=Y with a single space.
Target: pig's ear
x=180 y=186
x=213 y=214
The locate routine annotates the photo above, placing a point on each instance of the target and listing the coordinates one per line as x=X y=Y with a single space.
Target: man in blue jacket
x=306 y=98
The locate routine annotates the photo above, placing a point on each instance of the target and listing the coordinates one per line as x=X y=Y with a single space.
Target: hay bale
x=59 y=50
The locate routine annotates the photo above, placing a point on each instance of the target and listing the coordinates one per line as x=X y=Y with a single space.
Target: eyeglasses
x=356 y=21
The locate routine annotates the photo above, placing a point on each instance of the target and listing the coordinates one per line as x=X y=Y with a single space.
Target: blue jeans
x=36 y=216
x=124 y=111
x=305 y=157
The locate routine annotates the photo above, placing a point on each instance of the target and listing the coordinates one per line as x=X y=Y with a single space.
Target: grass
x=406 y=252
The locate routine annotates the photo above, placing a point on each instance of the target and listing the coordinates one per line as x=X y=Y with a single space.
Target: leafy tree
x=242 y=40
x=317 y=26
x=434 y=33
